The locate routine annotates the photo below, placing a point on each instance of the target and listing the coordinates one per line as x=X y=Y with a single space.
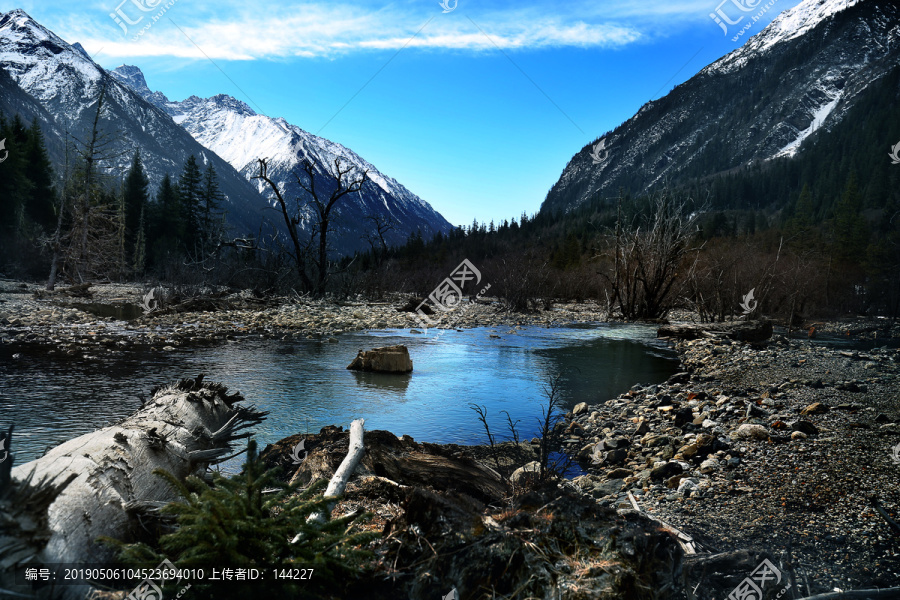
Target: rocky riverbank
x=785 y=451
x=110 y=316
x=788 y=449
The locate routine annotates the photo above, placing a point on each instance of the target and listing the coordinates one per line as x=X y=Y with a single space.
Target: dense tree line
x=92 y=220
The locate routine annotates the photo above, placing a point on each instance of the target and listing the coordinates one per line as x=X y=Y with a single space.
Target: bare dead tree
x=291 y=221
x=315 y=248
x=647 y=255
x=381 y=223
x=55 y=241
x=481 y=411
x=512 y=426
x=92 y=151
x=551 y=416
x=343 y=185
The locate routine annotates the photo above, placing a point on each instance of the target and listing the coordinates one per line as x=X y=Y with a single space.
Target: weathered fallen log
x=743 y=331
x=99 y=483
x=339 y=480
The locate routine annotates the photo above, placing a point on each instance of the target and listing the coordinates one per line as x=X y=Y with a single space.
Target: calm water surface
x=304 y=384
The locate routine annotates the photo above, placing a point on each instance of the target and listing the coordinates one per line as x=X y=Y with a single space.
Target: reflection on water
x=121 y=312
x=305 y=384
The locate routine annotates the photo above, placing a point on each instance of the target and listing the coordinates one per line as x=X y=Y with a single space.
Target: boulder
x=526 y=476
x=616 y=457
x=756 y=411
x=750 y=431
x=608 y=488
x=666 y=470
x=816 y=408
x=389 y=359
x=619 y=473
x=702 y=445
x=581 y=407
x=805 y=427
x=653 y=440
x=709 y=465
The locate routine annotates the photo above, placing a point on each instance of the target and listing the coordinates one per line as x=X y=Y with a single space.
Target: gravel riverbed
x=779 y=448
x=71 y=324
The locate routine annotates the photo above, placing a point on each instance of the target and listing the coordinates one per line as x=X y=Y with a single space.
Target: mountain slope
x=66 y=83
x=235 y=132
x=787 y=85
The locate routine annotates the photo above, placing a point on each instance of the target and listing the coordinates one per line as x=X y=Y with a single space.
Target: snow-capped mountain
x=786 y=86
x=235 y=132
x=45 y=76
x=65 y=83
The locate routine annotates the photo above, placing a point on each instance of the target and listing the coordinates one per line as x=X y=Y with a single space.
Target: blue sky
x=477 y=110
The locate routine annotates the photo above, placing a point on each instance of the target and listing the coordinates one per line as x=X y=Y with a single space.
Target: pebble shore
x=778 y=448
x=63 y=323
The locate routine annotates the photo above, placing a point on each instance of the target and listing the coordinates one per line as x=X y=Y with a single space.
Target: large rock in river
x=390 y=359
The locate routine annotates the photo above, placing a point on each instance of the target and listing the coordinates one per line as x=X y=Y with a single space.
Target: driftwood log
x=339 y=480
x=54 y=508
x=742 y=331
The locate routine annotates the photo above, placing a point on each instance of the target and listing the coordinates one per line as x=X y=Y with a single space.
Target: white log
x=339 y=480
x=109 y=475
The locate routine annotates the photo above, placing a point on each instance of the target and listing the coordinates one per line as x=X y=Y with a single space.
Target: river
x=304 y=384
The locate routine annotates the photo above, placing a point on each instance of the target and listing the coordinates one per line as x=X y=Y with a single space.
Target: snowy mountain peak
x=81 y=49
x=133 y=77
x=234 y=131
x=782 y=92
x=788 y=25
x=17 y=25
x=800 y=19
x=34 y=56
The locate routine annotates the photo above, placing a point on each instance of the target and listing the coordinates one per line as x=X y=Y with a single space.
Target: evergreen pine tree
x=140 y=246
x=15 y=186
x=252 y=520
x=190 y=193
x=166 y=224
x=137 y=195
x=211 y=199
x=39 y=203
x=849 y=227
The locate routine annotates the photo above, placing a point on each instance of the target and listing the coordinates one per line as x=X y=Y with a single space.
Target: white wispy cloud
x=249 y=31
